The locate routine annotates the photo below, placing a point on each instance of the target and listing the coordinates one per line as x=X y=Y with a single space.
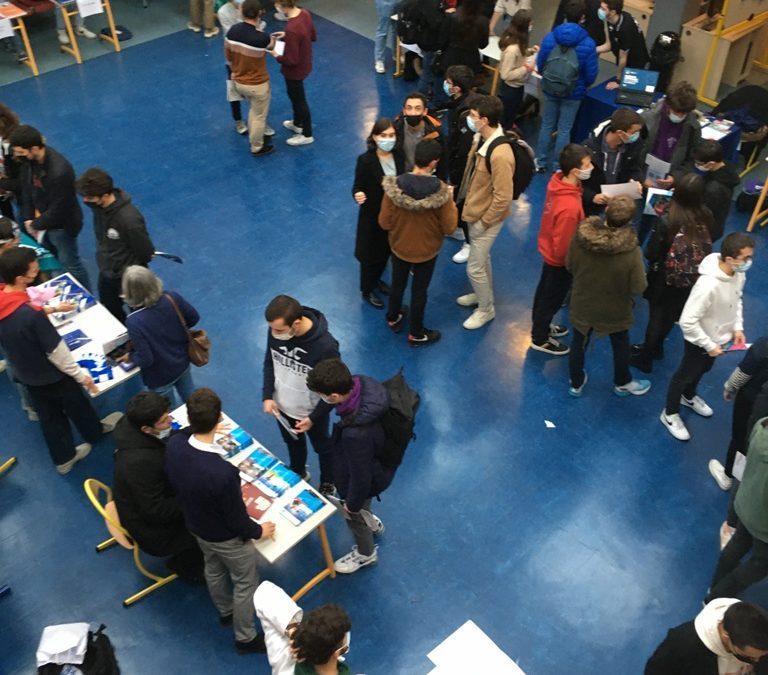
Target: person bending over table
x=625 y=39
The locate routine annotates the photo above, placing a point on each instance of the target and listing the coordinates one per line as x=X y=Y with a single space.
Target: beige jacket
x=512 y=68
x=489 y=195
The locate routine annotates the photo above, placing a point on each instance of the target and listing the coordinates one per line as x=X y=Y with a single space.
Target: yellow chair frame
x=108 y=511
x=7 y=464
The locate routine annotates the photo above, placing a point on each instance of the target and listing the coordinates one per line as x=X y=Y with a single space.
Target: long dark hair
x=687 y=213
x=381 y=124
x=9 y=120
x=517 y=31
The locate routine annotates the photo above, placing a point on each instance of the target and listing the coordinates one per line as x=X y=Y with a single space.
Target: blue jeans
x=385 y=33
x=68 y=255
x=427 y=79
x=559 y=115
x=178 y=390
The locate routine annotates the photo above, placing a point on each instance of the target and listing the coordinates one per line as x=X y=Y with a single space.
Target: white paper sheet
x=462 y=651
x=657 y=169
x=738 y=466
x=549 y=425
x=631 y=190
x=279 y=47
x=6 y=28
x=89 y=7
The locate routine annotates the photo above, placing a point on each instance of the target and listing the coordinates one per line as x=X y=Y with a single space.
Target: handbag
x=199 y=348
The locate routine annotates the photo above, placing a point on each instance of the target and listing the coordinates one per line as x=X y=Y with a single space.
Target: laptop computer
x=637 y=87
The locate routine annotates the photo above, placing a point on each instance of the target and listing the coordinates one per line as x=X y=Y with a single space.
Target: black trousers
x=109 y=296
x=620 y=347
x=554 y=284
x=663 y=313
x=57 y=404
x=422 y=275
x=731 y=575
x=511 y=97
x=321 y=442
x=234 y=106
x=301 y=115
x=370 y=275
x=685 y=381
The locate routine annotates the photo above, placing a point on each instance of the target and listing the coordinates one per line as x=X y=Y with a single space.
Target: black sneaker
x=383 y=287
x=557 y=331
x=429 y=337
x=22 y=57
x=265 y=150
x=373 y=300
x=551 y=346
x=327 y=489
x=397 y=325
x=255 y=645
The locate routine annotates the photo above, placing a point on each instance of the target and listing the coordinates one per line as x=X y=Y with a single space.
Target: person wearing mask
x=515 y=66
x=157 y=329
x=679 y=243
x=48 y=203
x=606 y=265
x=414 y=124
x=625 y=39
x=618 y=155
x=145 y=501
x=568 y=65
x=720 y=180
x=296 y=65
x=208 y=490
x=458 y=84
x=121 y=235
x=563 y=211
x=371 y=242
x=417 y=211
x=711 y=320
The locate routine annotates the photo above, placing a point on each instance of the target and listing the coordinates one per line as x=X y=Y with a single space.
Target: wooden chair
x=100 y=495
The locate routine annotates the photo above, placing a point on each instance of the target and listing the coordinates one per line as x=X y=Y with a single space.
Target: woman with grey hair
x=159 y=338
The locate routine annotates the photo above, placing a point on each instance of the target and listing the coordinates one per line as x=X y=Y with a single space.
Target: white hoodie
x=714 y=308
x=706 y=623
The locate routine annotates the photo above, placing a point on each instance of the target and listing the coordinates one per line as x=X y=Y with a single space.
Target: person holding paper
x=357 y=443
x=295 y=61
x=208 y=489
x=618 y=155
x=297 y=340
x=711 y=318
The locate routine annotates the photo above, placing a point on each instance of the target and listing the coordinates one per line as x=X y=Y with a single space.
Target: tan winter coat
x=489 y=196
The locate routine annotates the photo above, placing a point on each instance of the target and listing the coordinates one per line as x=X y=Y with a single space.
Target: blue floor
x=574 y=548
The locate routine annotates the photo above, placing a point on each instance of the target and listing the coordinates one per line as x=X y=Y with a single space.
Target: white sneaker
x=353 y=561
x=718 y=473
x=462 y=255
x=675 y=426
x=268 y=130
x=109 y=422
x=373 y=522
x=32 y=415
x=726 y=532
x=300 y=139
x=3 y=365
x=82 y=31
x=576 y=391
x=194 y=27
x=81 y=451
x=211 y=33
x=241 y=127
x=698 y=405
x=478 y=319
x=635 y=387
x=468 y=300
x=288 y=124
x=458 y=234
x=63 y=37
x=379 y=67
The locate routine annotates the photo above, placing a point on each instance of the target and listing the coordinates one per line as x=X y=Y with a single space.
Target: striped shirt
x=245 y=48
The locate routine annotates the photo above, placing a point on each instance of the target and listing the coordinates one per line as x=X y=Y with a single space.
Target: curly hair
x=320 y=634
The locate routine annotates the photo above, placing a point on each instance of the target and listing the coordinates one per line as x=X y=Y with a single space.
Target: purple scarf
x=353 y=402
x=667 y=136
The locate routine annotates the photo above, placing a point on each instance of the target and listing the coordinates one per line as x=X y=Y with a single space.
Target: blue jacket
x=572 y=35
x=357 y=439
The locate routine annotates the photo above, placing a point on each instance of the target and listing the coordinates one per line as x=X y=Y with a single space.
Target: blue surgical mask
x=602 y=14
x=743 y=267
x=633 y=138
x=446 y=88
x=676 y=119
x=386 y=144
x=471 y=125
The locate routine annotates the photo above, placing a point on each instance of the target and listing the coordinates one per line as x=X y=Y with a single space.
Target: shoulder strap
x=496 y=142
x=178 y=311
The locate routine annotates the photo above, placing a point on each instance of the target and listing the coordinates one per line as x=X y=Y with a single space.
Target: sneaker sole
x=544 y=350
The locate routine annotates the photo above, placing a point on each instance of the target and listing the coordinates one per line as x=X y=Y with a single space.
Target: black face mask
x=413 y=120
x=92 y=205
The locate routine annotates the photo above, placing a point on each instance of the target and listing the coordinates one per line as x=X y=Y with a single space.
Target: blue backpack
x=561 y=72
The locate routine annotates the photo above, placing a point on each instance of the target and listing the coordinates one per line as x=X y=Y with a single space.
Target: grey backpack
x=561 y=72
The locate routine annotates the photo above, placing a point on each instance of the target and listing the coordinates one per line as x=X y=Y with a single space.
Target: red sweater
x=296 y=62
x=563 y=212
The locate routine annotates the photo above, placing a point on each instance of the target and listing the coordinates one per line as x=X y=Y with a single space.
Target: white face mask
x=584 y=174
x=676 y=119
x=162 y=434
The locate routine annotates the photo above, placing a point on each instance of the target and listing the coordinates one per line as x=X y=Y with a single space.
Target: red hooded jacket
x=563 y=211
x=10 y=302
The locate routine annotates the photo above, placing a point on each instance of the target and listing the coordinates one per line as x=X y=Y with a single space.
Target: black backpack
x=421 y=22
x=399 y=420
x=524 y=164
x=410 y=22
x=99 y=657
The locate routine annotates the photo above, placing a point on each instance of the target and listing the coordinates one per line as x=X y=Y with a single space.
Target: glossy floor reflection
x=573 y=547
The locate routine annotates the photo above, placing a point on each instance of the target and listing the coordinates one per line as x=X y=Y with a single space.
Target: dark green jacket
x=752 y=498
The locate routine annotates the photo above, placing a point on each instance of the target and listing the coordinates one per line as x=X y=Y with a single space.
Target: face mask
x=701 y=168
x=471 y=124
x=742 y=268
x=602 y=14
x=163 y=433
x=92 y=205
x=386 y=144
x=413 y=120
x=284 y=336
x=446 y=88
x=584 y=174
x=676 y=119
x=633 y=138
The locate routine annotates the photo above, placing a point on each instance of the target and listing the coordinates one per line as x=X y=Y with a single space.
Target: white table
x=97 y=323
x=287 y=535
